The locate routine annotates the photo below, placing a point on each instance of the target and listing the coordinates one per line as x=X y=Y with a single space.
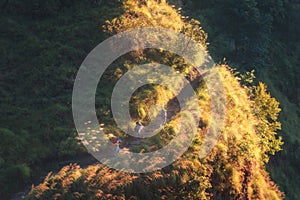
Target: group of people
x=139 y=127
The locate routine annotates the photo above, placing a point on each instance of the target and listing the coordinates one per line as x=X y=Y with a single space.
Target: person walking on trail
x=163 y=115
x=138 y=127
x=117 y=144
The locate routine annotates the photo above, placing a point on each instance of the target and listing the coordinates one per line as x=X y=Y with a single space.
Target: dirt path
x=86 y=160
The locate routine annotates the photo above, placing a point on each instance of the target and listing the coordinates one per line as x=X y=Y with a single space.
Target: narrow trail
x=86 y=160
x=172 y=108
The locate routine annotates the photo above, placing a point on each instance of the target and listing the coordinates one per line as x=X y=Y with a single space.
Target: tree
x=266 y=109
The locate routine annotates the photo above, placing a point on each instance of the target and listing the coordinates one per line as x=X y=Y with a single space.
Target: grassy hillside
x=235 y=169
x=43 y=45
x=262 y=36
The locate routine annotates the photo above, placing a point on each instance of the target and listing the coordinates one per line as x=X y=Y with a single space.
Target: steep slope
x=235 y=169
x=264 y=36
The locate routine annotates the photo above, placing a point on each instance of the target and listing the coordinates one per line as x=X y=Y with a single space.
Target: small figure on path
x=163 y=115
x=117 y=144
x=138 y=127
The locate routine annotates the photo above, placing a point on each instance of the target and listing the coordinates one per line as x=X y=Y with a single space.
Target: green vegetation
x=42 y=45
x=264 y=36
